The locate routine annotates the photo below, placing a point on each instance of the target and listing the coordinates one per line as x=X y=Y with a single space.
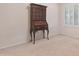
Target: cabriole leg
x=43 y=33
x=48 y=34
x=34 y=37
x=31 y=35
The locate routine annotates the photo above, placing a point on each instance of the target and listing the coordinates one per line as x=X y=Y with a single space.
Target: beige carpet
x=57 y=46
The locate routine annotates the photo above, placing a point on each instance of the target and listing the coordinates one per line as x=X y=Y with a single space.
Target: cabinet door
x=43 y=13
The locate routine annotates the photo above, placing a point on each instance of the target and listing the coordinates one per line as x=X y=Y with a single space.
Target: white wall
x=72 y=31
x=14 y=23
x=53 y=18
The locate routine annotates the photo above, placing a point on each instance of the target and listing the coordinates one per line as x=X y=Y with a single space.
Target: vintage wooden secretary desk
x=38 y=20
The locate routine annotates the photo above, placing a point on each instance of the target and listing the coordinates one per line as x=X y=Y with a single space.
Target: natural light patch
x=71 y=14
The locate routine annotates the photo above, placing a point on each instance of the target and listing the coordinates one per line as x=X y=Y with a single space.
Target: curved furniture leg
x=34 y=37
x=43 y=33
x=48 y=34
x=31 y=35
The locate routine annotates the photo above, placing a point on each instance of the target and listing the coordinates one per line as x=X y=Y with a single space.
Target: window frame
x=70 y=25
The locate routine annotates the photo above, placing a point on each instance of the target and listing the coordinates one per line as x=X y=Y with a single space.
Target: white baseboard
x=21 y=42
x=70 y=36
x=55 y=34
x=11 y=45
